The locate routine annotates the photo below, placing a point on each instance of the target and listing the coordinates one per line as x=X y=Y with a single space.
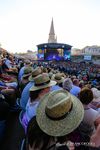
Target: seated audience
x=42 y=84
x=53 y=129
x=25 y=93
x=24 y=79
x=58 y=78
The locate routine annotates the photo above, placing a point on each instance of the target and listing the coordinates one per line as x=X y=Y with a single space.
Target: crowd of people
x=58 y=102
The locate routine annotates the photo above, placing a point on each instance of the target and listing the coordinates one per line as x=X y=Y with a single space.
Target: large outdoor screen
x=67 y=54
x=40 y=54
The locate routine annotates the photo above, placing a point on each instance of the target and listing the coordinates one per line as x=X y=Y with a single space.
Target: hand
x=70 y=145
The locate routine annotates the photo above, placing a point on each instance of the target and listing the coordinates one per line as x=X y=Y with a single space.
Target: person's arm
x=95 y=138
x=97 y=122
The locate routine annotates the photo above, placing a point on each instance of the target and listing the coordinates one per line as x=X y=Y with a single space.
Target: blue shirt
x=12 y=84
x=55 y=88
x=8 y=63
x=21 y=72
x=75 y=90
x=25 y=94
x=31 y=109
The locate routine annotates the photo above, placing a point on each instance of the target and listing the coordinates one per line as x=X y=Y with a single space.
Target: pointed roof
x=52 y=28
x=52 y=38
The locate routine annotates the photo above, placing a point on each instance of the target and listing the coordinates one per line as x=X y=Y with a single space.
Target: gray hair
x=67 y=84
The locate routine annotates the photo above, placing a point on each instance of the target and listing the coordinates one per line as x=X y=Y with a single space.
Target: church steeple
x=52 y=38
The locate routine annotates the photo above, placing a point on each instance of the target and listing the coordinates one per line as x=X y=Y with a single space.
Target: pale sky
x=26 y=23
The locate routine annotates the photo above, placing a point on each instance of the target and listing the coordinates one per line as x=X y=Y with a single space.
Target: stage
x=54 y=51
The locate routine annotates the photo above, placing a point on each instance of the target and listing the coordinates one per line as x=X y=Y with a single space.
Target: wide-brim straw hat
x=26 y=75
x=27 y=62
x=42 y=81
x=58 y=78
x=59 y=113
x=27 y=72
x=35 y=73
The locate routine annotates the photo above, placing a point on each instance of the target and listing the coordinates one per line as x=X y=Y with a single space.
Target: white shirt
x=90 y=115
x=31 y=109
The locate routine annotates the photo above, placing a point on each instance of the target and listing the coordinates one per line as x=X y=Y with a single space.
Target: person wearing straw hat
x=58 y=114
x=42 y=84
x=27 y=72
x=24 y=80
x=27 y=63
x=38 y=140
x=58 y=78
x=42 y=81
x=35 y=72
x=25 y=92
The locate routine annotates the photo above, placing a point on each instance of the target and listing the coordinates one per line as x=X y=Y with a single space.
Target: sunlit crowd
x=58 y=102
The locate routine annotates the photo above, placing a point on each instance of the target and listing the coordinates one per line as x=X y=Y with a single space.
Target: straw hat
x=96 y=94
x=59 y=113
x=27 y=71
x=73 y=77
x=27 y=62
x=58 y=78
x=35 y=72
x=42 y=81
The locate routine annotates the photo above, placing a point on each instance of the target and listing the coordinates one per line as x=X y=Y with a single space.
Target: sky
x=26 y=23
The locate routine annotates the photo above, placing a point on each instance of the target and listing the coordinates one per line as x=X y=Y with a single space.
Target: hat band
x=57 y=79
x=59 y=118
x=34 y=75
x=40 y=84
x=26 y=76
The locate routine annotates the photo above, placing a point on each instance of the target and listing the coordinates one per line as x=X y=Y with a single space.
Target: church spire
x=52 y=38
x=52 y=28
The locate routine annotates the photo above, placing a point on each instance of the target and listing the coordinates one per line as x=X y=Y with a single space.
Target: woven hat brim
x=26 y=75
x=61 y=127
x=59 y=81
x=35 y=88
x=31 y=78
